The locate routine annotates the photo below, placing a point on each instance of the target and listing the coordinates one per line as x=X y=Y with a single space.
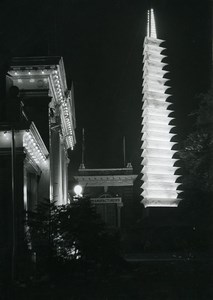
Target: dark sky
x=102 y=44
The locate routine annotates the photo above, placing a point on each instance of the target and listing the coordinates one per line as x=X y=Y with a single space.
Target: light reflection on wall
x=159 y=179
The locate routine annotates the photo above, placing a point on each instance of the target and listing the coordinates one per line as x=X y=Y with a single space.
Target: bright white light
x=167 y=170
x=32 y=148
x=153 y=26
x=161 y=178
x=149 y=102
x=156 y=144
x=155 y=96
x=152 y=111
x=160 y=202
x=159 y=186
x=156 y=127
x=65 y=110
x=158 y=170
x=156 y=161
x=148 y=21
x=157 y=119
x=153 y=56
x=158 y=153
x=78 y=190
x=159 y=194
x=152 y=46
x=157 y=136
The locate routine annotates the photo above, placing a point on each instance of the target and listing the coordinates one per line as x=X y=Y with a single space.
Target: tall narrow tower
x=158 y=170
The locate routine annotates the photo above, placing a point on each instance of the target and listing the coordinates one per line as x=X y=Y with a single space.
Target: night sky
x=102 y=43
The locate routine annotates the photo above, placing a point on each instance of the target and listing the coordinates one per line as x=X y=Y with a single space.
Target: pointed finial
x=124 y=150
x=82 y=166
x=151 y=27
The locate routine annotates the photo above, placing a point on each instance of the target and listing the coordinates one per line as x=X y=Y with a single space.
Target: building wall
x=33 y=165
x=111 y=191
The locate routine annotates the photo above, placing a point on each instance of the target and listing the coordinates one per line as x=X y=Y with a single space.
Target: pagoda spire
x=160 y=187
x=82 y=166
x=151 y=26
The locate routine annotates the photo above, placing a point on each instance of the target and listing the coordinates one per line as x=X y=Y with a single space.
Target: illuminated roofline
x=53 y=69
x=34 y=145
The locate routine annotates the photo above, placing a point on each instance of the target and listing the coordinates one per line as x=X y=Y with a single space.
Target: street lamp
x=78 y=191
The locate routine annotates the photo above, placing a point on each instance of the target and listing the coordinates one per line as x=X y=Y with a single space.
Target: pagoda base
x=160 y=202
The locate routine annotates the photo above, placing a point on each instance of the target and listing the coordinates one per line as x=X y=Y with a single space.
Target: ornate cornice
x=106 y=180
x=42 y=74
x=26 y=141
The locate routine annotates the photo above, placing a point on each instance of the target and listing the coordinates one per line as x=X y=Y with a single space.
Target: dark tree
x=72 y=237
x=196 y=155
x=197 y=151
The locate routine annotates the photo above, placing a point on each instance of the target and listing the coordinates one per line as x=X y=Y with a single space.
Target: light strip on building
x=65 y=111
x=32 y=148
x=158 y=166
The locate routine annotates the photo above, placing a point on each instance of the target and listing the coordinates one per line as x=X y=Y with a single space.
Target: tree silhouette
x=196 y=154
x=71 y=235
x=197 y=150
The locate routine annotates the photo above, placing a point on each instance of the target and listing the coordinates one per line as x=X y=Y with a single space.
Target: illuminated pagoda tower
x=158 y=170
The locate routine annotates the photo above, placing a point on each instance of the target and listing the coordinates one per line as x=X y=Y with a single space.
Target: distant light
x=78 y=190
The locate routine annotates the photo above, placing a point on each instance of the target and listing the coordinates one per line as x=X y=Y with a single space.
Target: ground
x=178 y=279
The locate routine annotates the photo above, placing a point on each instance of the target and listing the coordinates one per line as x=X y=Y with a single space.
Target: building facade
x=111 y=193
x=50 y=105
x=37 y=129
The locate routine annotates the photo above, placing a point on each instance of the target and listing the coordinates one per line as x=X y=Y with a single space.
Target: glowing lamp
x=78 y=190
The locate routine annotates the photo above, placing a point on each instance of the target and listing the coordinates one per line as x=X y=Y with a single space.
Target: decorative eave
x=42 y=73
x=112 y=171
x=34 y=145
x=161 y=202
x=28 y=139
x=106 y=180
